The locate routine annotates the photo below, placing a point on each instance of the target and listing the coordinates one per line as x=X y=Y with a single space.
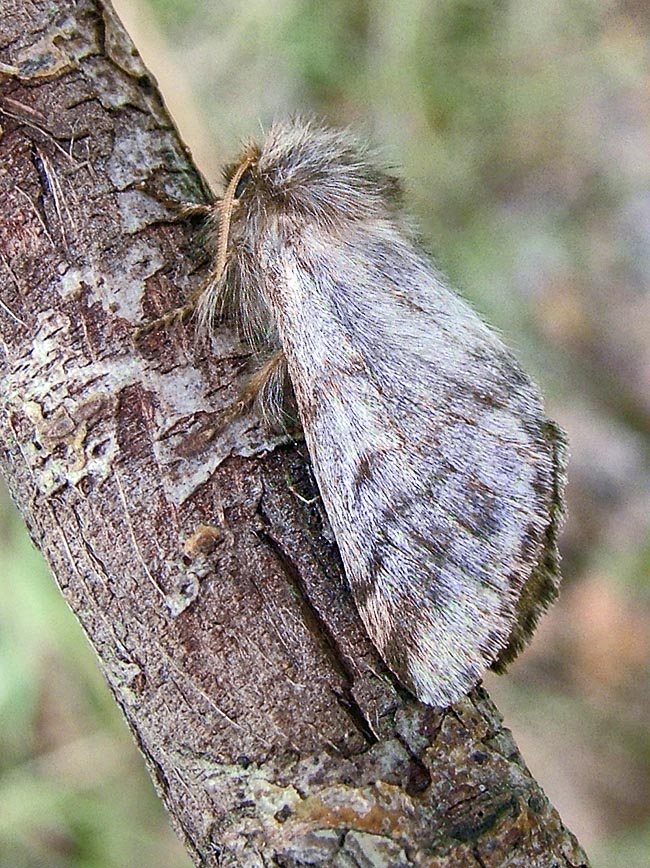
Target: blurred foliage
x=522 y=130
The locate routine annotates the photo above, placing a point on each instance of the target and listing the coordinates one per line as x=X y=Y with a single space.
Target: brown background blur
x=522 y=131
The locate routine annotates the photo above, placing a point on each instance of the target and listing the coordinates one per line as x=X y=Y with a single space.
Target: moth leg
x=267 y=390
x=180 y=210
x=262 y=390
x=177 y=314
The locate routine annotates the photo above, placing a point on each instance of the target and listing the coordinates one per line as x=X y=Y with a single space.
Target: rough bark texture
x=187 y=543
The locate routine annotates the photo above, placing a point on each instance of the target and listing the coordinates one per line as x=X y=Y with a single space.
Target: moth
x=440 y=474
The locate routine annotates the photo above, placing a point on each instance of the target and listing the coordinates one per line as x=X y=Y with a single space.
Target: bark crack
x=318 y=628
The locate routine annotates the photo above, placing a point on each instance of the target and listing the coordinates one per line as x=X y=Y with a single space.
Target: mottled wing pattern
x=438 y=469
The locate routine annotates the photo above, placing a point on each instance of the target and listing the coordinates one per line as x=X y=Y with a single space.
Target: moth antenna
x=224 y=207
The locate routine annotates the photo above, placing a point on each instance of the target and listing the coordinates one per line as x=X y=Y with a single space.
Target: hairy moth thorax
x=302 y=174
x=440 y=473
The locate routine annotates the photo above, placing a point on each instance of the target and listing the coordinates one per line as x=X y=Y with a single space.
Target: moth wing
x=439 y=472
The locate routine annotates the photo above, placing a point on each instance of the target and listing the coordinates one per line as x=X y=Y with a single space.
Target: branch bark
x=188 y=543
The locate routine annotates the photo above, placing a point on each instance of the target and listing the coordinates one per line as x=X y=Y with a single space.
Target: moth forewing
x=439 y=513
x=440 y=474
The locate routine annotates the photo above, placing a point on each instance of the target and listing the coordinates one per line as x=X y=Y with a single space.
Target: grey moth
x=441 y=476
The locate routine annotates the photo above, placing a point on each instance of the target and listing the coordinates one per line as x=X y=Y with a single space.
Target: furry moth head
x=441 y=476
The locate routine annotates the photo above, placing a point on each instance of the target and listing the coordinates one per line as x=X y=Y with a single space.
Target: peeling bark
x=189 y=545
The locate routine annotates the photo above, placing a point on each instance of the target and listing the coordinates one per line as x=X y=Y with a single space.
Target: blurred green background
x=522 y=131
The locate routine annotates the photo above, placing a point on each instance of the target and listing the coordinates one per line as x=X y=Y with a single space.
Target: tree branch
x=188 y=544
